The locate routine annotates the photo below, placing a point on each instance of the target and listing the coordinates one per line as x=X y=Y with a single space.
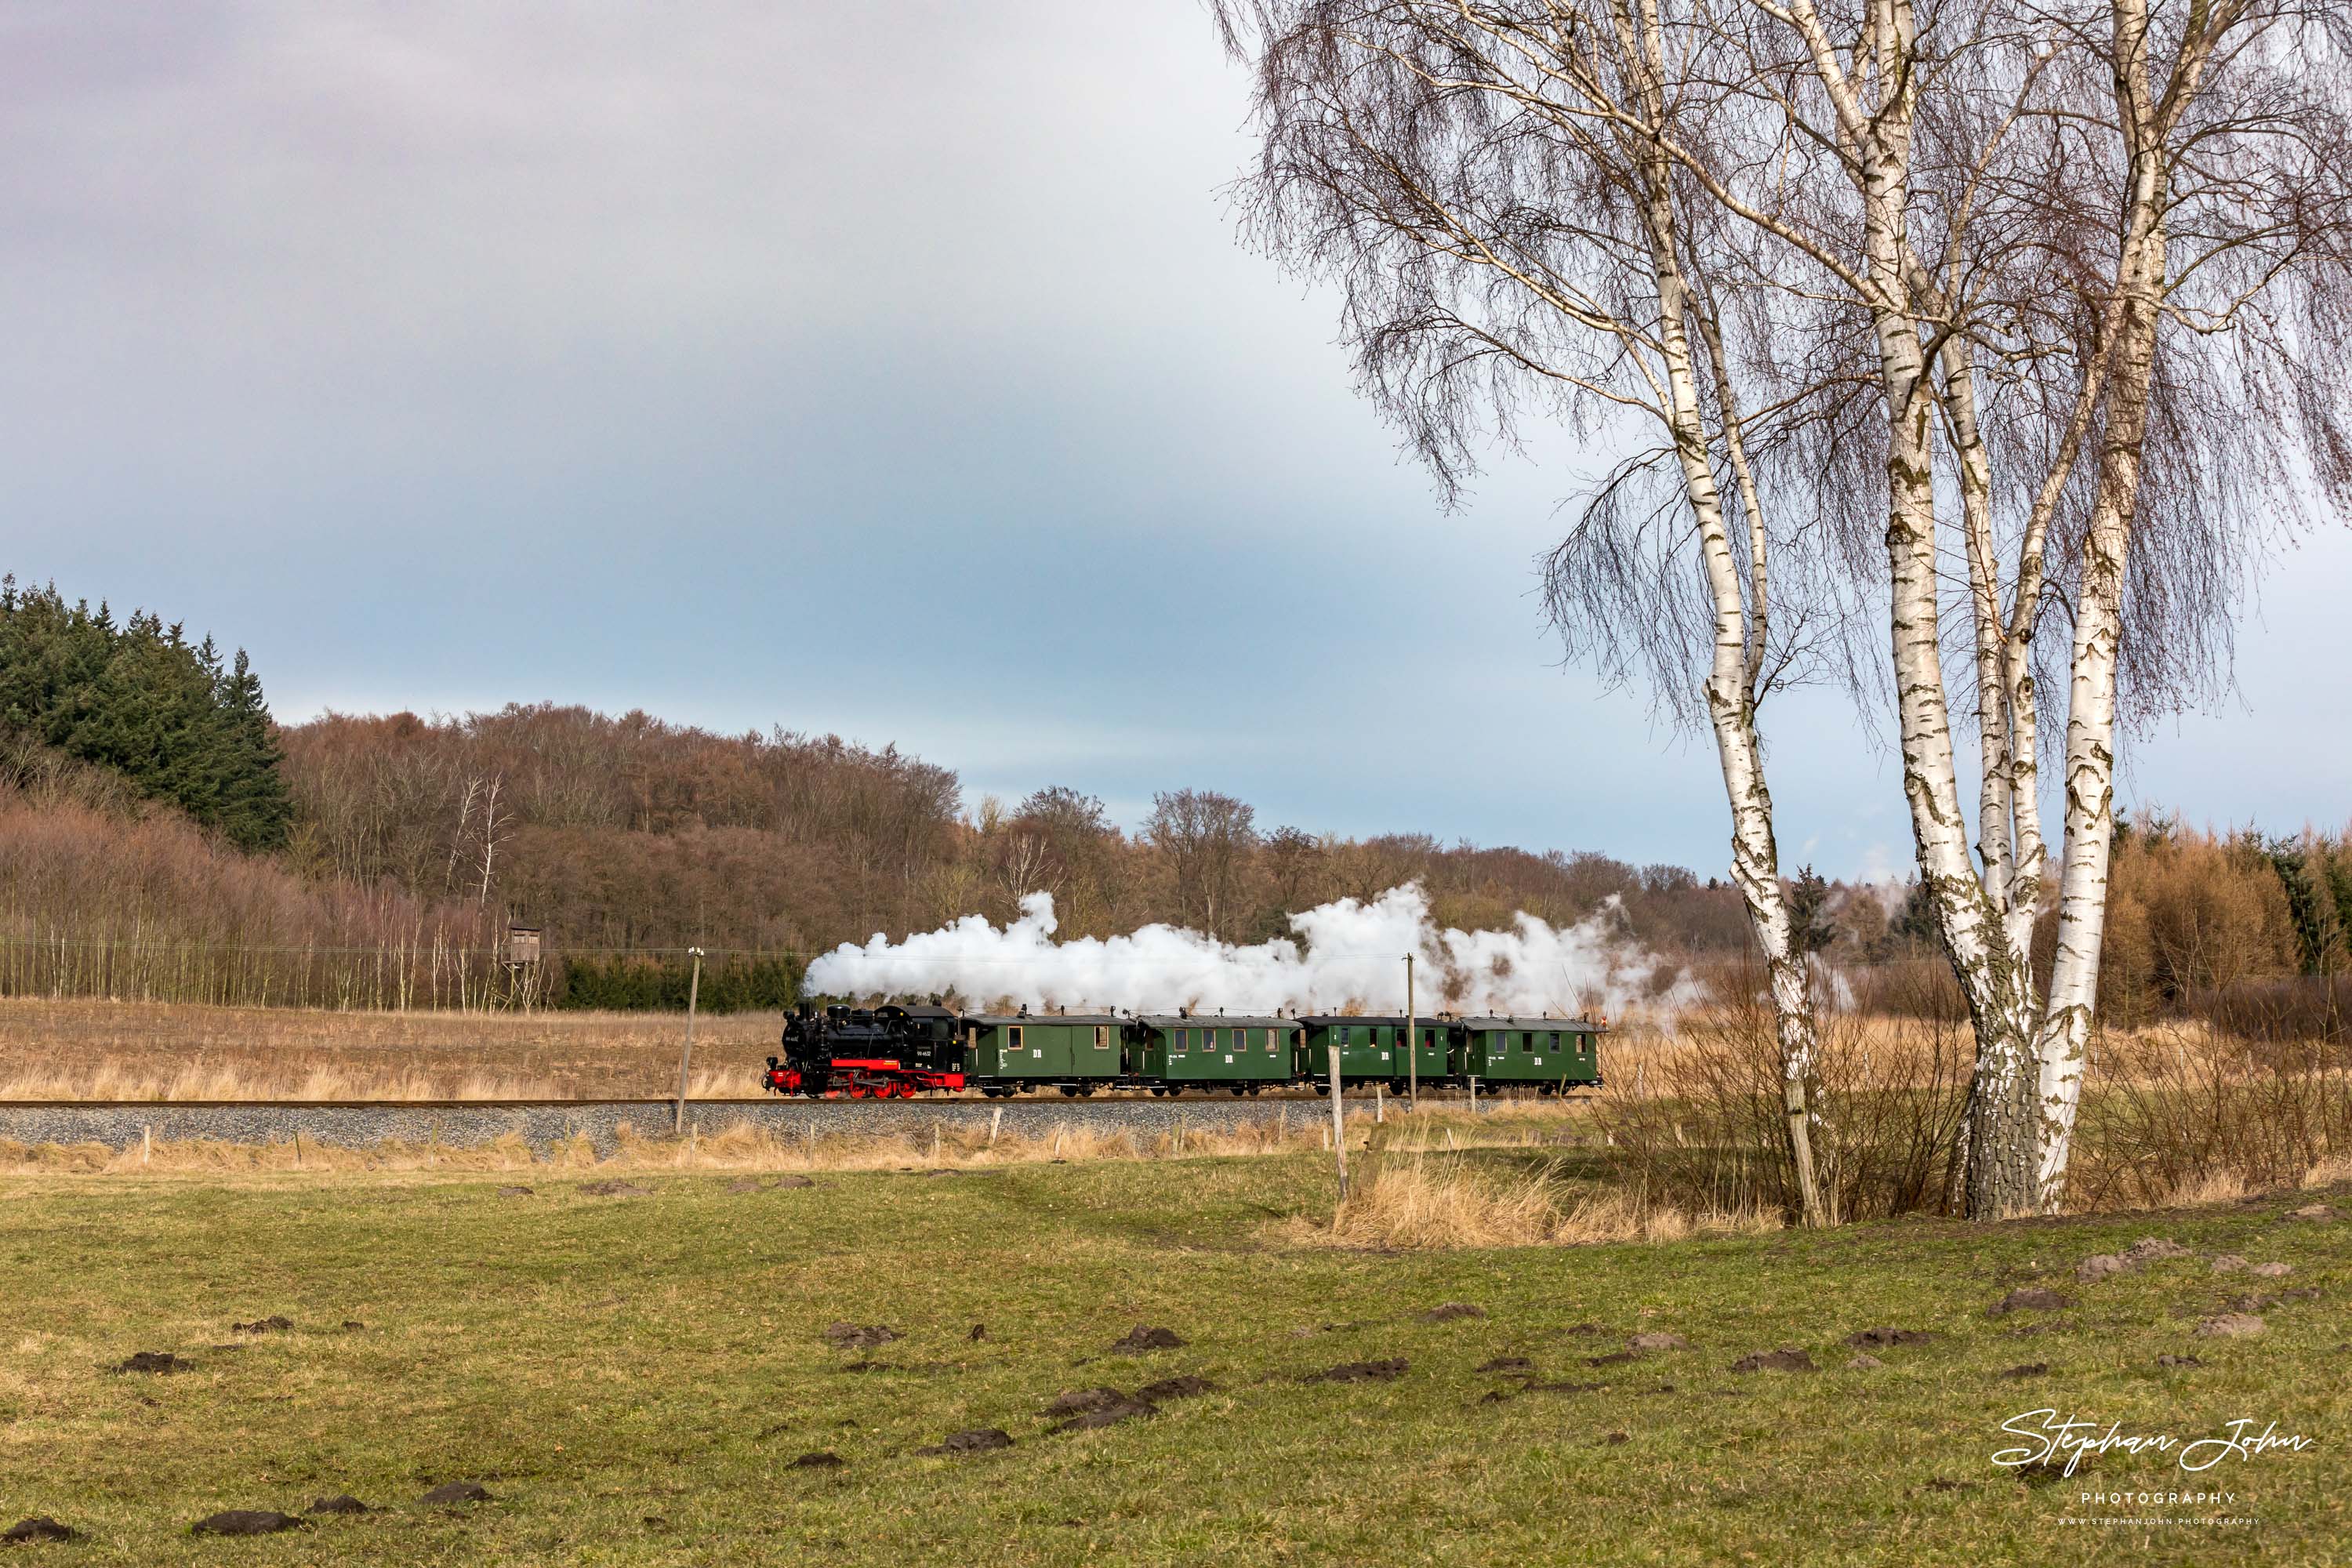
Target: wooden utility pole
x=1412 y=1038
x=685 y=1056
x=1339 y=1118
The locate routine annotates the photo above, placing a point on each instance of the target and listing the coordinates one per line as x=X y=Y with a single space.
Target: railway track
x=543 y=1123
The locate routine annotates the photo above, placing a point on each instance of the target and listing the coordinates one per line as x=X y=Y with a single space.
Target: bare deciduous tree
x=1207 y=838
x=1989 y=186
x=1489 y=186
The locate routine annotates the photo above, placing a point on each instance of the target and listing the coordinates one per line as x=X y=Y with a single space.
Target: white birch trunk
x=1731 y=684
x=2064 y=1042
x=2147 y=121
x=1875 y=138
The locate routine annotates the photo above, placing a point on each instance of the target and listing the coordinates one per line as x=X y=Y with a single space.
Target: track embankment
x=542 y=1124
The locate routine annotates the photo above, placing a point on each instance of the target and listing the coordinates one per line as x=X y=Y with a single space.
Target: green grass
x=633 y=1376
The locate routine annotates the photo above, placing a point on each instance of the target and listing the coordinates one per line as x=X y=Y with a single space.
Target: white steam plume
x=1350 y=956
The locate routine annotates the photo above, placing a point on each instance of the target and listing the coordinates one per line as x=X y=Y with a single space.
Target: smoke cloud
x=1349 y=957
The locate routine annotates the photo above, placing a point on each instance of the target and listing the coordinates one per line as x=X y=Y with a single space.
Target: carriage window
x=1208 y=1039
x=1555 y=1040
x=1530 y=1038
x=1102 y=1037
x=1183 y=1039
x=1014 y=1034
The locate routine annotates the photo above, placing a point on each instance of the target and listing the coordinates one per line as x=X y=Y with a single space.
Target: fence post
x=1338 y=1120
x=685 y=1056
x=1412 y=1038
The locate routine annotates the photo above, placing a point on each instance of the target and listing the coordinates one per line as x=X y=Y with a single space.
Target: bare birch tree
x=2004 y=171
x=1489 y=186
x=2225 y=141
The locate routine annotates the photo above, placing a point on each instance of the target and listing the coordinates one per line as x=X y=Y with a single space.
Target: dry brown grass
x=151 y=1050
x=1421 y=1201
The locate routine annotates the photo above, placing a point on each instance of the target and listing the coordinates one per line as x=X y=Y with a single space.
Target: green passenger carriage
x=1176 y=1051
x=1022 y=1053
x=1554 y=1053
x=1373 y=1048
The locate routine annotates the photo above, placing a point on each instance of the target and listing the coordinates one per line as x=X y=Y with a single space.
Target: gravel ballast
x=543 y=1124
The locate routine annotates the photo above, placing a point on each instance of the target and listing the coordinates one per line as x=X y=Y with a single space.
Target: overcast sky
x=896 y=373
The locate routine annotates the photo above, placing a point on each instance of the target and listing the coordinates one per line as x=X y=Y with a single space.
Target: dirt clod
x=821 y=1459
x=244 y=1521
x=2231 y=1326
x=1142 y=1337
x=1614 y=1358
x=273 y=1324
x=1108 y=1415
x=2154 y=1248
x=979 y=1441
x=614 y=1189
x=1614 y=1438
x=2272 y=1270
x=1508 y=1364
x=151 y=1360
x=1185 y=1387
x=858 y=1336
x=789 y=1181
x=1657 y=1342
x=1866 y=1361
x=514 y=1192
x=2178 y=1361
x=1078 y=1402
x=2231 y=1263
x=2030 y=1369
x=979 y=1332
x=450 y=1493
x=2100 y=1266
x=1787 y=1358
x=1582 y=1329
x=1387 y=1371
x=1878 y=1338
x=2030 y=1299
x=2312 y=1211
x=341 y=1502
x=1451 y=1311
x=353 y=1325
x=40 y=1527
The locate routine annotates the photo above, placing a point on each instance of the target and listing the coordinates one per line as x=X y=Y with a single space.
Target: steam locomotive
x=892 y=1052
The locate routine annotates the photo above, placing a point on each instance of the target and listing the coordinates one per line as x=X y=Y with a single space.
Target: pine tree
x=139 y=699
x=1811 y=928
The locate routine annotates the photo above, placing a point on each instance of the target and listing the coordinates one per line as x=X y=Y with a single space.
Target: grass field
x=633 y=1375
x=75 y=1049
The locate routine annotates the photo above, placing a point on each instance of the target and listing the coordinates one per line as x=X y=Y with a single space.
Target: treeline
x=138 y=699
x=161 y=837
x=629 y=832
x=105 y=892
x=2254 y=932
